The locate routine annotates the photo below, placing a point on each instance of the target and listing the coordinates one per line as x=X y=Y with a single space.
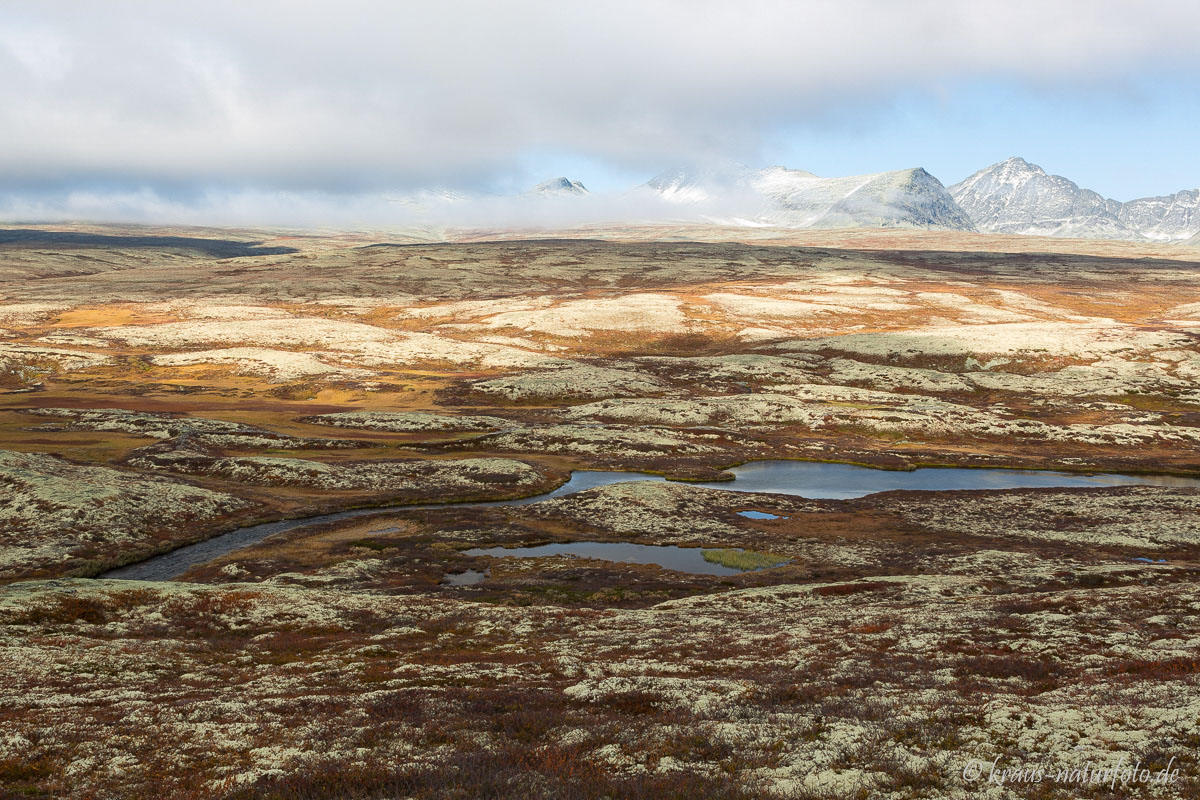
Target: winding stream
x=816 y=480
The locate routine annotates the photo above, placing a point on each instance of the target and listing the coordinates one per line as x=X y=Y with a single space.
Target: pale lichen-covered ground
x=160 y=387
x=58 y=517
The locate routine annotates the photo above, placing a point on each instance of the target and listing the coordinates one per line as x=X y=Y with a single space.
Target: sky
x=316 y=112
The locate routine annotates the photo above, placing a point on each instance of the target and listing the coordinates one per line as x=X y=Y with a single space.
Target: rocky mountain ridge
x=1014 y=196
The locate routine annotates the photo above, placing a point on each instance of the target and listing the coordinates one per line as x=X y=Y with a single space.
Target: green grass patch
x=743 y=559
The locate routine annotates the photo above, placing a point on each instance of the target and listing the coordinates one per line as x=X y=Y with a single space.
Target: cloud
x=360 y=98
x=430 y=211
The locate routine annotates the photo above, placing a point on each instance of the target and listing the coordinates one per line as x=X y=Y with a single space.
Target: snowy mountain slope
x=907 y=198
x=686 y=186
x=793 y=198
x=1171 y=217
x=1015 y=196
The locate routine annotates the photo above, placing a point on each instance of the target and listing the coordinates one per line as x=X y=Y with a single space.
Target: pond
x=819 y=480
x=759 y=515
x=468 y=577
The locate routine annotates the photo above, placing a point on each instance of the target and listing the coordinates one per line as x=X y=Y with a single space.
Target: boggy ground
x=161 y=386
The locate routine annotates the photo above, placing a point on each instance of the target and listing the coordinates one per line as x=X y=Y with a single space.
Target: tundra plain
x=162 y=386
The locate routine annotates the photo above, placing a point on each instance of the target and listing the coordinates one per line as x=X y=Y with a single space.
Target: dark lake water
x=804 y=478
x=844 y=481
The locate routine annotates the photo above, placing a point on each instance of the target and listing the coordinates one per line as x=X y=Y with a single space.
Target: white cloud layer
x=294 y=100
x=431 y=212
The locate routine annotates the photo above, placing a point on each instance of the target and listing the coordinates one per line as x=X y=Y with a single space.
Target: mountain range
x=1012 y=196
x=1015 y=196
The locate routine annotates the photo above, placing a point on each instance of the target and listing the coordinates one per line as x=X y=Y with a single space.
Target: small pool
x=468 y=577
x=759 y=515
x=680 y=559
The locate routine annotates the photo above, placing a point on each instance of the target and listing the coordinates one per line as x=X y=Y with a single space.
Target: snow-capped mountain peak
x=559 y=185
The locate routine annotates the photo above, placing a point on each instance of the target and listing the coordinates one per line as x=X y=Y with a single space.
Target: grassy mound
x=744 y=559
